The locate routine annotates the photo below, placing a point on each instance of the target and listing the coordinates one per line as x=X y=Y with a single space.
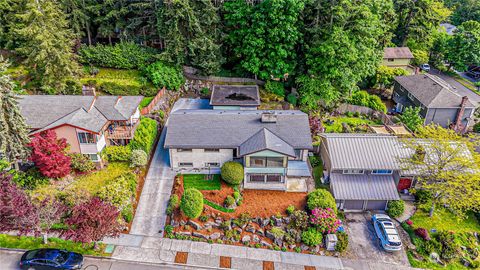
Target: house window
x=184 y=150
x=353 y=171
x=298 y=154
x=382 y=172
x=212 y=164
x=211 y=150
x=390 y=60
x=410 y=96
x=93 y=157
x=86 y=137
x=185 y=164
x=265 y=178
x=270 y=162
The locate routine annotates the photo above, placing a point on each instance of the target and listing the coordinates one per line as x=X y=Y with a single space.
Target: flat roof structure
x=235 y=95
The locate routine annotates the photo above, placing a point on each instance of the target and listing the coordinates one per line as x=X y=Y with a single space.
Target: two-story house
x=272 y=145
x=439 y=103
x=398 y=57
x=364 y=170
x=88 y=123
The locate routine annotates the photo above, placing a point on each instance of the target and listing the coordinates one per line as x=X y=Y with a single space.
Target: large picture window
x=382 y=172
x=85 y=137
x=262 y=162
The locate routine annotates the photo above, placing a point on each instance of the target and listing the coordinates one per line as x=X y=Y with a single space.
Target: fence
x=343 y=108
x=151 y=105
x=190 y=73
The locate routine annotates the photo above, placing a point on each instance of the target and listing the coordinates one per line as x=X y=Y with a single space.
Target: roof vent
x=269 y=117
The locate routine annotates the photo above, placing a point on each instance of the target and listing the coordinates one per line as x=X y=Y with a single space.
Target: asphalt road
x=9 y=261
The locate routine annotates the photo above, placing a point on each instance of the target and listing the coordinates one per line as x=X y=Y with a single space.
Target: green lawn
x=119 y=76
x=200 y=182
x=443 y=219
x=145 y=102
x=336 y=127
x=29 y=242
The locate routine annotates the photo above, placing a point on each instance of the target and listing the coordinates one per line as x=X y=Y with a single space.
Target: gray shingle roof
x=47 y=111
x=397 y=52
x=431 y=91
x=363 y=187
x=229 y=129
x=265 y=140
x=235 y=95
x=364 y=151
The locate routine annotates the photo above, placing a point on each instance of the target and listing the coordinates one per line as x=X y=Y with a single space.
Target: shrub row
x=125 y=55
x=362 y=98
x=145 y=135
x=164 y=75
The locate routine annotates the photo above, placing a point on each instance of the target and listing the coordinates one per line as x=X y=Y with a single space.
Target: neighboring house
x=235 y=97
x=364 y=170
x=88 y=123
x=398 y=57
x=438 y=102
x=272 y=145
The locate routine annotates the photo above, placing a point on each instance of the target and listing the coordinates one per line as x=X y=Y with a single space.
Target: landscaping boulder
x=174 y=223
x=185 y=233
x=270 y=235
x=250 y=229
x=246 y=239
x=265 y=244
x=315 y=249
x=199 y=235
x=292 y=246
x=277 y=221
x=211 y=225
x=195 y=225
x=182 y=222
x=286 y=220
x=260 y=232
x=304 y=247
x=278 y=242
x=256 y=239
x=239 y=230
x=265 y=222
x=215 y=236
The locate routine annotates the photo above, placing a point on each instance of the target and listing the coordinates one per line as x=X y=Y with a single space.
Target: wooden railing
x=151 y=105
x=122 y=132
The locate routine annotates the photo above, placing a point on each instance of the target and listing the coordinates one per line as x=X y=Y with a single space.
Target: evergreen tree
x=48 y=45
x=190 y=32
x=13 y=134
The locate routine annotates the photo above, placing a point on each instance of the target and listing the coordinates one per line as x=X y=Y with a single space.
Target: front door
x=404 y=183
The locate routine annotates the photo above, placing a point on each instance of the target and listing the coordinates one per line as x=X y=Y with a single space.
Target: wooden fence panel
x=149 y=108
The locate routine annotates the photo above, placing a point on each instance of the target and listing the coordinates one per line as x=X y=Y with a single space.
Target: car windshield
x=61 y=257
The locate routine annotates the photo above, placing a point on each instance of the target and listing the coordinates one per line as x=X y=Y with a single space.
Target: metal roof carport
x=363 y=191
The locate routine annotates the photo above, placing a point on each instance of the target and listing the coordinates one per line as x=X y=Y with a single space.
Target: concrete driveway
x=363 y=242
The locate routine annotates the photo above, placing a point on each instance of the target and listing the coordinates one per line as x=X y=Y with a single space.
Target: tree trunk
x=45 y=238
x=110 y=39
x=95 y=245
x=89 y=34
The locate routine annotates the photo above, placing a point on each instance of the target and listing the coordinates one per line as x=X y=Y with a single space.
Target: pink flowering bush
x=325 y=220
x=409 y=222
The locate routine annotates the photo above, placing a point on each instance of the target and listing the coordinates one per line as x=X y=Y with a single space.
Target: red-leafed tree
x=49 y=154
x=316 y=126
x=93 y=220
x=17 y=213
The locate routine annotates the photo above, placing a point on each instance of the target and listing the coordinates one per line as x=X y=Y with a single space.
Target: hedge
x=117 y=153
x=145 y=135
x=362 y=98
x=191 y=203
x=125 y=55
x=396 y=208
x=164 y=75
x=321 y=198
x=218 y=207
x=232 y=172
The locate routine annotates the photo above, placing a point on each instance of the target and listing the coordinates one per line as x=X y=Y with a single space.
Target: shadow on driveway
x=364 y=244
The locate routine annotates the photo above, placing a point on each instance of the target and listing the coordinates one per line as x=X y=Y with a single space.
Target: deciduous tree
x=50 y=211
x=92 y=221
x=411 y=118
x=49 y=154
x=13 y=131
x=447 y=166
x=464 y=46
x=17 y=213
x=385 y=76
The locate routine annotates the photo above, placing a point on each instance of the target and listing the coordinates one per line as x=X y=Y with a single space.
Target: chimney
x=458 y=127
x=269 y=117
x=118 y=100
x=93 y=103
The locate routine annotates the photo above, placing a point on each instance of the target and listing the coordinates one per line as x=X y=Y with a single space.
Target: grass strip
x=217 y=207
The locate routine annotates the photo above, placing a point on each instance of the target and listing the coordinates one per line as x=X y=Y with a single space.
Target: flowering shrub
x=325 y=220
x=422 y=233
x=409 y=222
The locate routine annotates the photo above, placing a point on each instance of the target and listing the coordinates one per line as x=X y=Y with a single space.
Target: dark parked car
x=48 y=258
